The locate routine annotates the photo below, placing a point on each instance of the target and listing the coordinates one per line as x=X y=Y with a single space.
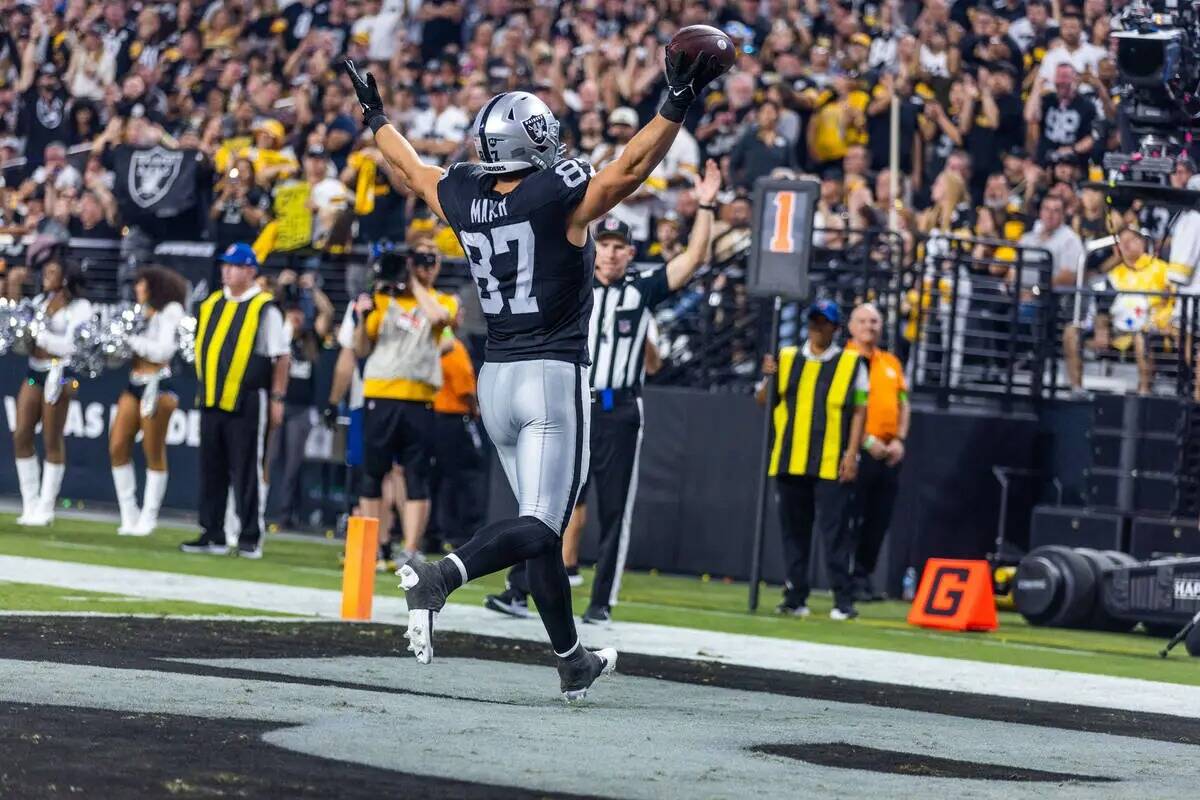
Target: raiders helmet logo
x=152 y=173
x=537 y=128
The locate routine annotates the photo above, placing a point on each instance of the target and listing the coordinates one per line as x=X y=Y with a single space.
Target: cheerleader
x=46 y=394
x=148 y=401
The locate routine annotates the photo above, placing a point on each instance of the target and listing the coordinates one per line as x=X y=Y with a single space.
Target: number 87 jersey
x=534 y=285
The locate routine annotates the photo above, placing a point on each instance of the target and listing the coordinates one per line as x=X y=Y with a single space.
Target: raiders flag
x=154 y=181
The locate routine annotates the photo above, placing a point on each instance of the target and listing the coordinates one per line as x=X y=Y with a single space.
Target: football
x=697 y=39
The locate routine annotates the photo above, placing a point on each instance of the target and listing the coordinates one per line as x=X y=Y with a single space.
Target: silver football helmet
x=515 y=131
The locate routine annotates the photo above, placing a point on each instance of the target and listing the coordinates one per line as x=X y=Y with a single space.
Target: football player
x=522 y=216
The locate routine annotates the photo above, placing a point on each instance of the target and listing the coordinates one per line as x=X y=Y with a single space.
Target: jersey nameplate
x=485 y=210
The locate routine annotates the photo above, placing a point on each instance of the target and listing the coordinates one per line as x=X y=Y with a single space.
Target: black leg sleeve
x=214 y=475
x=498 y=546
x=552 y=592
x=518 y=579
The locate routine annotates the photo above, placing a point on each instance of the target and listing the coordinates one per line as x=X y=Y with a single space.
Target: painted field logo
x=1187 y=588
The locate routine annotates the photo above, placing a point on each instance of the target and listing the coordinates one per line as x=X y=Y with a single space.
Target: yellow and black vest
x=812 y=419
x=226 y=363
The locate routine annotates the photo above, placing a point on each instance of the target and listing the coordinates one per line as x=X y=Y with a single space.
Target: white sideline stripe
x=809 y=658
x=140 y=615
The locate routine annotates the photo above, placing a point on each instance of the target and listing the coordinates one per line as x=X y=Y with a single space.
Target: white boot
x=156 y=487
x=125 y=482
x=52 y=477
x=29 y=481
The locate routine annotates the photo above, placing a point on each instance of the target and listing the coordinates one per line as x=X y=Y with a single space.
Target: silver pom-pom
x=186 y=337
x=86 y=359
x=24 y=323
x=103 y=342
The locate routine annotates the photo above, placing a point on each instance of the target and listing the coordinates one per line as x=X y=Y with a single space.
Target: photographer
x=240 y=208
x=397 y=333
x=286 y=448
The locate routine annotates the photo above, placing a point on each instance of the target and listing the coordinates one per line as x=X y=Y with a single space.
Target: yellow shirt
x=1148 y=274
x=402 y=388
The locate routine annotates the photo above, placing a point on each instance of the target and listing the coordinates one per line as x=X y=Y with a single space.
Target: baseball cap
x=611 y=226
x=827 y=309
x=1016 y=151
x=240 y=255
x=315 y=150
x=623 y=115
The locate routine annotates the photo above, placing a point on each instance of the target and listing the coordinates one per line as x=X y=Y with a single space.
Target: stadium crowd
x=1005 y=110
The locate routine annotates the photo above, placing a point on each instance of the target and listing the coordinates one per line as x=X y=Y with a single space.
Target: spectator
x=837 y=123
x=1036 y=29
x=761 y=149
x=97 y=215
x=1072 y=50
x=637 y=209
x=1051 y=233
x=1061 y=121
x=285 y=454
x=338 y=127
x=1134 y=309
x=439 y=130
x=241 y=208
x=723 y=123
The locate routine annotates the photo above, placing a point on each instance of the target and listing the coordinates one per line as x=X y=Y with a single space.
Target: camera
x=422 y=259
x=1158 y=58
x=391 y=267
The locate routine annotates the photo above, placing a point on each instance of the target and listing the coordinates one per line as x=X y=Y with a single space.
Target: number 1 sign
x=782 y=237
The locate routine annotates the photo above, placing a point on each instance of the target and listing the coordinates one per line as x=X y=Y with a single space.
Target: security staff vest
x=812 y=419
x=226 y=364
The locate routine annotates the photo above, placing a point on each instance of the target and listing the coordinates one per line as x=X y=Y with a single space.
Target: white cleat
x=425 y=592
x=420 y=634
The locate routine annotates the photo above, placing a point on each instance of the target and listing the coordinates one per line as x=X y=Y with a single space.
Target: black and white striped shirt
x=621 y=317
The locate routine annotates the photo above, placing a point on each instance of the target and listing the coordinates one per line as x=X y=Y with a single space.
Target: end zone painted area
x=928 y=672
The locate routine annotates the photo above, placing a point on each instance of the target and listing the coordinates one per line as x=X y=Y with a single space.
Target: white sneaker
x=37 y=519
x=841 y=615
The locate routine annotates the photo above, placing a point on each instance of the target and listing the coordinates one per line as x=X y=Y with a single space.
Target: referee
x=241 y=353
x=621 y=317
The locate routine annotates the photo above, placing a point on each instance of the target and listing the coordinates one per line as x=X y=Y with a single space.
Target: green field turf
x=35 y=597
x=668 y=600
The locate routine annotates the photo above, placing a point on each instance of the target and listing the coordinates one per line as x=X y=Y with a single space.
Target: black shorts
x=35 y=378
x=400 y=432
x=164 y=387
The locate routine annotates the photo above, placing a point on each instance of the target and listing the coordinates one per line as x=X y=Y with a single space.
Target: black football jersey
x=535 y=287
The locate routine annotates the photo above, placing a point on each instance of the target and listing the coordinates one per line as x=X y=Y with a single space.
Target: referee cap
x=611 y=226
x=827 y=309
x=240 y=255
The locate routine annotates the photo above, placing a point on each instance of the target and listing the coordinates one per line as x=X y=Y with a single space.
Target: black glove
x=685 y=81
x=368 y=96
x=329 y=415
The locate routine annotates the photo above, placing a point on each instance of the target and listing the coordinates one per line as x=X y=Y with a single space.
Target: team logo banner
x=155 y=181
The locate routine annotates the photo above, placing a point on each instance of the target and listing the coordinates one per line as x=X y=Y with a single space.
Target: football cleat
x=204 y=547
x=597 y=615
x=578 y=671
x=425 y=593
x=510 y=602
